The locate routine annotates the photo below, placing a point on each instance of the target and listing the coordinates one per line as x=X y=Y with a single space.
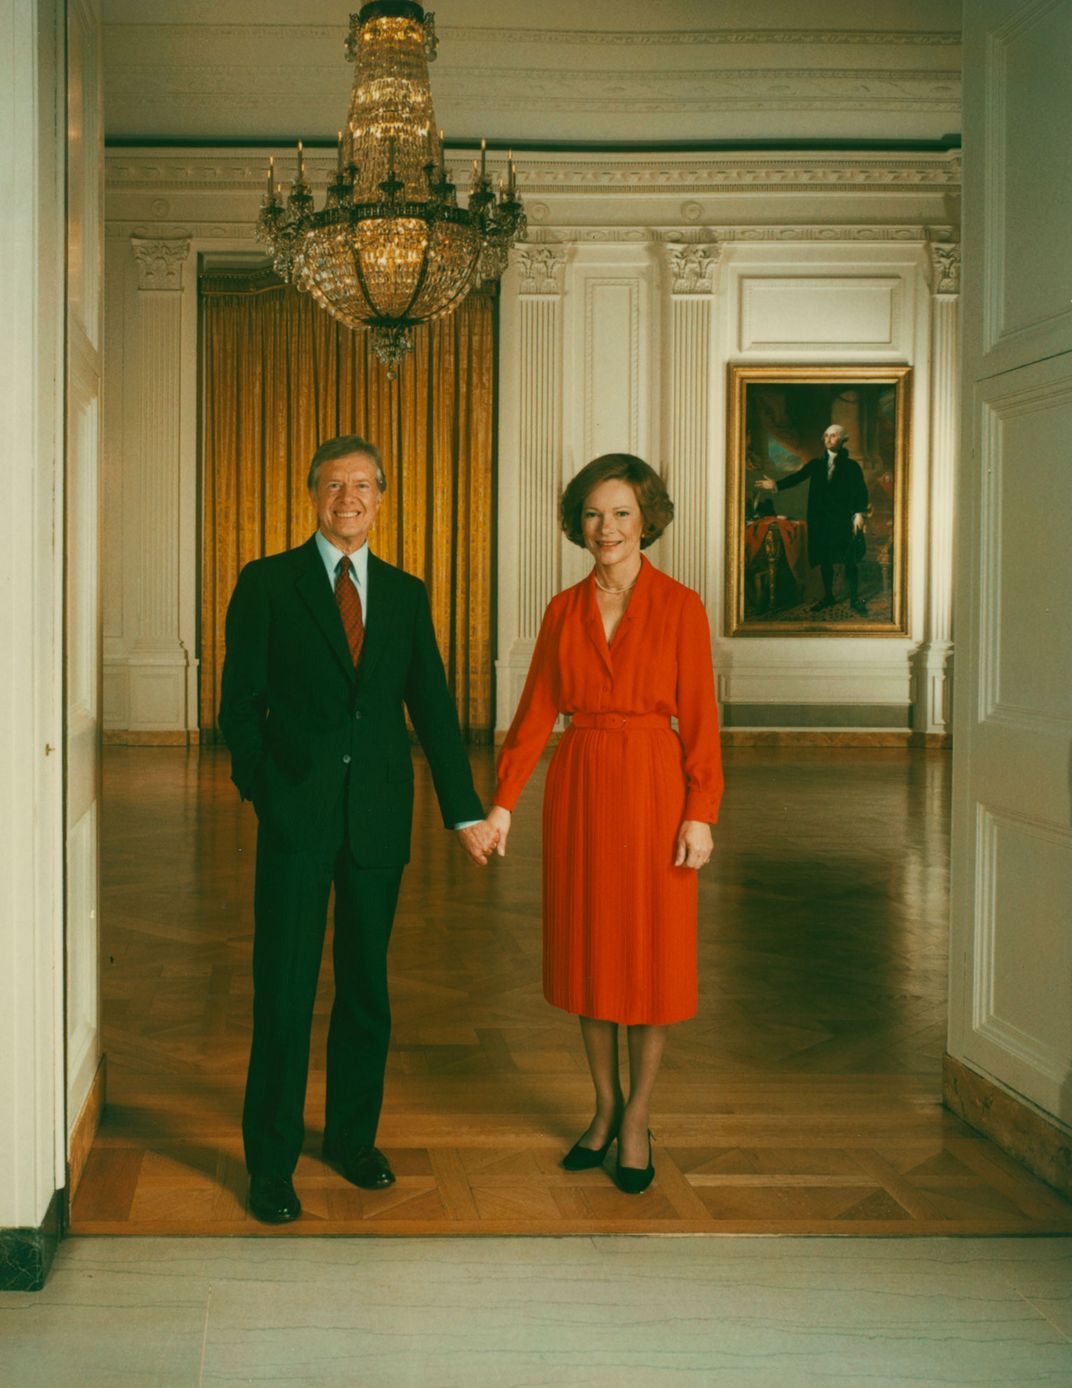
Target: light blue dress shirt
x=359 y=578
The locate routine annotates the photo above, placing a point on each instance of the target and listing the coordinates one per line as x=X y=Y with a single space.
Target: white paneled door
x=1011 y=999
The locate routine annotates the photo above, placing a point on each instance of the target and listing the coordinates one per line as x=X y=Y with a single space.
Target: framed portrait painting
x=817 y=500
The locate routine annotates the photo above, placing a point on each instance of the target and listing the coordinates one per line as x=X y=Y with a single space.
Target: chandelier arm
x=460 y=293
x=422 y=275
x=401 y=318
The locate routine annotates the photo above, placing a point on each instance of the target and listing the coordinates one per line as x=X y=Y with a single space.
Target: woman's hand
x=500 y=820
x=693 y=847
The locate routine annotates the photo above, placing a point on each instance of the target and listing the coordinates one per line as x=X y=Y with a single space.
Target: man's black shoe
x=859 y=607
x=366 y=1167
x=823 y=604
x=273 y=1199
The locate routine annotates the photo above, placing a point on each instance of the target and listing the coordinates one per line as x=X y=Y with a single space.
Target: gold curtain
x=281 y=376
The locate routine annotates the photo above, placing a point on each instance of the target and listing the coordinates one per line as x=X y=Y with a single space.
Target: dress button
x=346 y=759
x=357 y=713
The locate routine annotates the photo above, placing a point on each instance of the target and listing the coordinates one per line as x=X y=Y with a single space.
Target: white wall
x=31 y=653
x=618 y=337
x=1011 y=998
x=618 y=319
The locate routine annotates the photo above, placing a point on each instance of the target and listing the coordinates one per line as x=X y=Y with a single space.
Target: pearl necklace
x=604 y=589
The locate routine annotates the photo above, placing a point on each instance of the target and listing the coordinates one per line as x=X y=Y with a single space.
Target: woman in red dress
x=628 y=802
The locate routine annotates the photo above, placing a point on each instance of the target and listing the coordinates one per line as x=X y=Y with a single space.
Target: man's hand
x=478 y=840
x=500 y=820
x=765 y=484
x=694 y=844
x=857 y=522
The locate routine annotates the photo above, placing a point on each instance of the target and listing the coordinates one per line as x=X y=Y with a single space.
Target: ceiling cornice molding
x=550 y=237
x=561 y=38
x=600 y=175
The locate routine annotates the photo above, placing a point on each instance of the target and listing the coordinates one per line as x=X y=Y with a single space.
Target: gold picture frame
x=798 y=561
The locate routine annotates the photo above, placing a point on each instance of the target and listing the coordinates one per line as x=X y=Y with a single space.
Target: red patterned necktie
x=349 y=600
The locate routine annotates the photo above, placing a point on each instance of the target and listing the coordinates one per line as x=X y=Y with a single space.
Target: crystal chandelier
x=391 y=247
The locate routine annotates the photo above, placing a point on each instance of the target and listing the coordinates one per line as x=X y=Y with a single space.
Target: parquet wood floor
x=804 y=1098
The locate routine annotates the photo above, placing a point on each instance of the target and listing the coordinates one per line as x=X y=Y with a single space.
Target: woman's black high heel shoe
x=580 y=1158
x=633 y=1180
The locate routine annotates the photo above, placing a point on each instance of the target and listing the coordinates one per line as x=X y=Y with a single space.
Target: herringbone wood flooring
x=804 y=1098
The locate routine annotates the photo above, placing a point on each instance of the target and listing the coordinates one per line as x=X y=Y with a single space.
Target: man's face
x=346 y=498
x=832 y=438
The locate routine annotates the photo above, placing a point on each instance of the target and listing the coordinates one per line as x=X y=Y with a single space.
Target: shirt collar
x=331 y=556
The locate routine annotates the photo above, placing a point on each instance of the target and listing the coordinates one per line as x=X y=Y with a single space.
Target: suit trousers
x=290 y=916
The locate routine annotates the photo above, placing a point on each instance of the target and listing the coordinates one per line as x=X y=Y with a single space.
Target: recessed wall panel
x=818 y=312
x=612 y=404
x=1024 y=944
x=1031 y=59
x=1025 y=637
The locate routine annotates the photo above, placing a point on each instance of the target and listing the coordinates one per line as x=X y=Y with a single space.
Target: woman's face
x=612 y=523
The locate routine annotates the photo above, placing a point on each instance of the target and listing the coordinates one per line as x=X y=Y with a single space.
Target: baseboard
x=26 y=1254
x=163 y=737
x=85 y=1130
x=933 y=742
x=815 y=737
x=1031 y=1137
x=844 y=717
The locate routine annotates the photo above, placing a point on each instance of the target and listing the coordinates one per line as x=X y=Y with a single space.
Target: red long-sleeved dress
x=619 y=918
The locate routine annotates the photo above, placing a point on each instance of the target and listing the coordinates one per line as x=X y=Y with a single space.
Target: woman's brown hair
x=651 y=494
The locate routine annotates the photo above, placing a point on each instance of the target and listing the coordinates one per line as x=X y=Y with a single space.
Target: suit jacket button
x=357 y=712
x=346 y=759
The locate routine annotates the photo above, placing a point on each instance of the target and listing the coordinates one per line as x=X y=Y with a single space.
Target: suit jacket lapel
x=378 y=622
x=315 y=590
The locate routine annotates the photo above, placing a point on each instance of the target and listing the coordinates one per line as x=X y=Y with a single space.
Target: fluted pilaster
x=540 y=440
x=691 y=275
x=934 y=661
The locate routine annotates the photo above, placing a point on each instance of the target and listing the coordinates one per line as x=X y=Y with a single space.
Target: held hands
x=694 y=844
x=481 y=840
x=478 y=840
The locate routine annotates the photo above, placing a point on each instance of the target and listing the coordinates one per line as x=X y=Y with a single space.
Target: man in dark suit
x=837 y=505
x=326 y=646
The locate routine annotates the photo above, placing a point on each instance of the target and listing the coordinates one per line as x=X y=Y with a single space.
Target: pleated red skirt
x=619 y=941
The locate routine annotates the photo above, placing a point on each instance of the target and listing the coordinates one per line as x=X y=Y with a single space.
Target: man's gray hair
x=837 y=429
x=342 y=447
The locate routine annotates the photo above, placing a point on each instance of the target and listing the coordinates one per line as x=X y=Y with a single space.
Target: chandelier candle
x=391 y=247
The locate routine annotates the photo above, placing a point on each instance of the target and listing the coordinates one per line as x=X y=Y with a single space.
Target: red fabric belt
x=620 y=722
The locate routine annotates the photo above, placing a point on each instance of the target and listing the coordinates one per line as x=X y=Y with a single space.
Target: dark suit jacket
x=300 y=723
x=831 y=507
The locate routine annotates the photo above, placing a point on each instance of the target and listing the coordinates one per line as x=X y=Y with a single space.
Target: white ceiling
x=556 y=70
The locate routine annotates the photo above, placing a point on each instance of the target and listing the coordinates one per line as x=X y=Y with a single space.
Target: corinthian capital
x=541 y=268
x=692 y=267
x=160 y=262
x=945 y=266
